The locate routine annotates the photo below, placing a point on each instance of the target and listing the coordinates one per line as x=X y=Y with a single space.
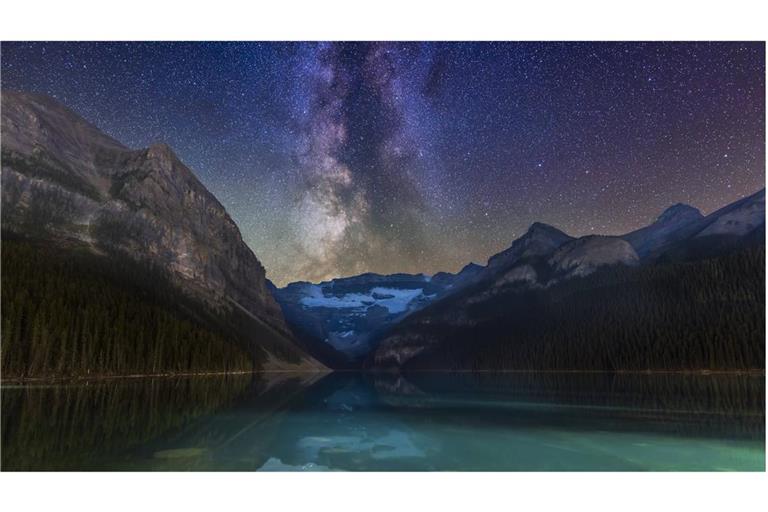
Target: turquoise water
x=363 y=422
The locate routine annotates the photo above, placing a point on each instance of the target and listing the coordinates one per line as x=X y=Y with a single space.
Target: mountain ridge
x=66 y=182
x=541 y=258
x=531 y=284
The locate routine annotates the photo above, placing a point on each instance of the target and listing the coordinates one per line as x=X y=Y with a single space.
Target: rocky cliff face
x=583 y=256
x=63 y=180
x=538 y=240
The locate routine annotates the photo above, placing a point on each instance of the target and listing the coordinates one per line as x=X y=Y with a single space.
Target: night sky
x=336 y=159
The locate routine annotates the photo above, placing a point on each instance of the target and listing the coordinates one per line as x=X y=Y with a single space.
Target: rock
x=65 y=181
x=540 y=239
x=583 y=256
x=675 y=223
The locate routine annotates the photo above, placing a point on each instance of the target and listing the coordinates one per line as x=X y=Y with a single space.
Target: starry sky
x=341 y=158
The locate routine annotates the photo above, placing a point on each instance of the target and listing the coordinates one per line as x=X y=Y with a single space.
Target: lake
x=364 y=422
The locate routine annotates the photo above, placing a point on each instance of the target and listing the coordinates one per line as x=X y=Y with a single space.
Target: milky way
x=340 y=158
x=360 y=168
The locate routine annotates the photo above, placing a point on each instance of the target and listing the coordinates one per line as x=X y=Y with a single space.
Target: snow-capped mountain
x=346 y=312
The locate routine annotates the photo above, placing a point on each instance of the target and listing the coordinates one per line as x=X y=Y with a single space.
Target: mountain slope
x=699 y=290
x=680 y=316
x=538 y=240
x=682 y=233
x=66 y=183
x=512 y=265
x=736 y=219
x=341 y=316
x=585 y=255
x=344 y=313
x=676 y=222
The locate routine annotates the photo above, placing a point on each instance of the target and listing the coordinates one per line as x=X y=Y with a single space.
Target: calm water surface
x=362 y=422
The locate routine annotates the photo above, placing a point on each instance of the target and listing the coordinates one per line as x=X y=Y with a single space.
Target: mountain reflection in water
x=359 y=421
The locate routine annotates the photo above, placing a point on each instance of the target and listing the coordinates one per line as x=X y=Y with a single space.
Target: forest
x=67 y=312
x=702 y=315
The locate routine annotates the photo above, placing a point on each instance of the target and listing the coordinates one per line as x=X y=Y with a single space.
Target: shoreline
x=750 y=371
x=166 y=375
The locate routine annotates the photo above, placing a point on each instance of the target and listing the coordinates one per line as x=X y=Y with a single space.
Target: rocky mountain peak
x=162 y=152
x=540 y=239
x=470 y=268
x=542 y=231
x=679 y=220
x=679 y=212
x=63 y=179
x=33 y=120
x=541 y=227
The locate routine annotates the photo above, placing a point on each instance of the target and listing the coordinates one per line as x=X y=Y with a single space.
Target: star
x=341 y=158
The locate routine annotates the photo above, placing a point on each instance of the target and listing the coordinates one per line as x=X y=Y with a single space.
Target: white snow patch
x=397 y=300
x=401 y=299
x=350 y=300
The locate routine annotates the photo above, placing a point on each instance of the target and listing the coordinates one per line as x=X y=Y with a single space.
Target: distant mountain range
x=347 y=313
x=354 y=315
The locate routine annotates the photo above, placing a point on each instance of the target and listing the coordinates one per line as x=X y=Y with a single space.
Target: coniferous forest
x=71 y=313
x=703 y=315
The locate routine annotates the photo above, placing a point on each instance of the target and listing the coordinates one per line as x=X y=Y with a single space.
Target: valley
x=158 y=279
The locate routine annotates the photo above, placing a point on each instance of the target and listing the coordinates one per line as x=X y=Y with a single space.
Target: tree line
x=72 y=313
x=703 y=315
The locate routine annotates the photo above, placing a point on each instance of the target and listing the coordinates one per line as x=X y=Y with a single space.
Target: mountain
x=68 y=185
x=682 y=233
x=726 y=230
x=447 y=280
x=349 y=313
x=354 y=315
x=585 y=255
x=345 y=314
x=694 y=301
x=538 y=240
x=737 y=219
x=676 y=222
x=503 y=268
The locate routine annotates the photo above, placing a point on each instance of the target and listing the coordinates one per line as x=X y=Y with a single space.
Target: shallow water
x=363 y=422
